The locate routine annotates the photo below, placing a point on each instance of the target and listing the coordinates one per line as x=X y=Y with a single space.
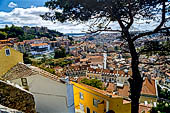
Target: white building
x=51 y=94
x=39 y=48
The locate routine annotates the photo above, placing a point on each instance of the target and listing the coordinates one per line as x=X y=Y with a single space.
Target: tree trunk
x=136 y=80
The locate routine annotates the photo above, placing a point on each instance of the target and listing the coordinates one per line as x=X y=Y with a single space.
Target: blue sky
x=20 y=3
x=27 y=13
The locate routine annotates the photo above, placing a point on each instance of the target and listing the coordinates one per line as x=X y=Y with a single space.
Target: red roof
x=40 y=44
x=144 y=109
x=149 y=87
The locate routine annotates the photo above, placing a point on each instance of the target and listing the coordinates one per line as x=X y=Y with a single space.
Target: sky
x=26 y=13
x=9 y=5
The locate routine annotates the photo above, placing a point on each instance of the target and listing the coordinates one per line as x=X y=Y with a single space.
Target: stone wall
x=16 y=98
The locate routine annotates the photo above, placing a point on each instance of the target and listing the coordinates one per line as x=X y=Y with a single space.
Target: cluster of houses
x=83 y=48
x=116 y=82
x=63 y=92
x=52 y=94
x=36 y=46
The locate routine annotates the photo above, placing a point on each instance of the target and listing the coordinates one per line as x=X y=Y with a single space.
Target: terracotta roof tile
x=90 y=69
x=94 y=70
x=110 y=88
x=45 y=73
x=20 y=43
x=98 y=90
x=121 y=72
x=121 y=91
x=18 y=71
x=21 y=70
x=144 y=109
x=4 y=40
x=106 y=71
x=149 y=87
x=124 y=91
x=98 y=70
x=40 y=44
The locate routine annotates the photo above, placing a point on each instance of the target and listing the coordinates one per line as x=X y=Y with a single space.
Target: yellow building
x=94 y=73
x=88 y=99
x=8 y=58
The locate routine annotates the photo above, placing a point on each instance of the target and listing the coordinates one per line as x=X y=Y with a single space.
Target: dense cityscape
x=47 y=71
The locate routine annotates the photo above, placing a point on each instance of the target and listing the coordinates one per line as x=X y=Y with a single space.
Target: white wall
x=50 y=96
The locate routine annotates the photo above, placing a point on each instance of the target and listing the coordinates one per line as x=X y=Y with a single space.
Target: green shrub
x=93 y=82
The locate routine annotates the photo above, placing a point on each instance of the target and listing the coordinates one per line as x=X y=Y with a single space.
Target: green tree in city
x=155 y=47
x=162 y=107
x=101 y=13
x=3 y=35
x=164 y=94
x=70 y=38
x=26 y=59
x=92 y=82
x=60 y=53
x=15 y=31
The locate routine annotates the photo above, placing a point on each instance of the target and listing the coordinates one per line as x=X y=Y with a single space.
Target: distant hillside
x=27 y=33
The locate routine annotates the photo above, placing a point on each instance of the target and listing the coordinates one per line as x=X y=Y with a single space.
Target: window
x=81 y=107
x=94 y=112
x=7 y=52
x=81 y=95
x=24 y=82
x=95 y=102
x=88 y=110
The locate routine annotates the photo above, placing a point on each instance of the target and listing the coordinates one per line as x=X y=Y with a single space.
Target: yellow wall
x=148 y=99
x=115 y=103
x=94 y=75
x=7 y=62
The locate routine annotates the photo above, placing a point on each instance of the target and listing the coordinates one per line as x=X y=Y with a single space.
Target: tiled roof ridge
x=2 y=46
x=108 y=71
x=15 y=69
x=99 y=90
x=45 y=73
x=149 y=88
x=40 y=44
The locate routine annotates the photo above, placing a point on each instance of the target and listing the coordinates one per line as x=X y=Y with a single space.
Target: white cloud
x=31 y=17
x=12 y=5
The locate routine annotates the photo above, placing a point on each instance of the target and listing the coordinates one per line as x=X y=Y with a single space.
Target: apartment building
x=92 y=100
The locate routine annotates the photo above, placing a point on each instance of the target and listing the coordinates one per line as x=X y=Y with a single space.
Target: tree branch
x=149 y=33
x=158 y=28
x=163 y=17
x=130 y=15
x=101 y=30
x=120 y=23
x=161 y=63
x=105 y=28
